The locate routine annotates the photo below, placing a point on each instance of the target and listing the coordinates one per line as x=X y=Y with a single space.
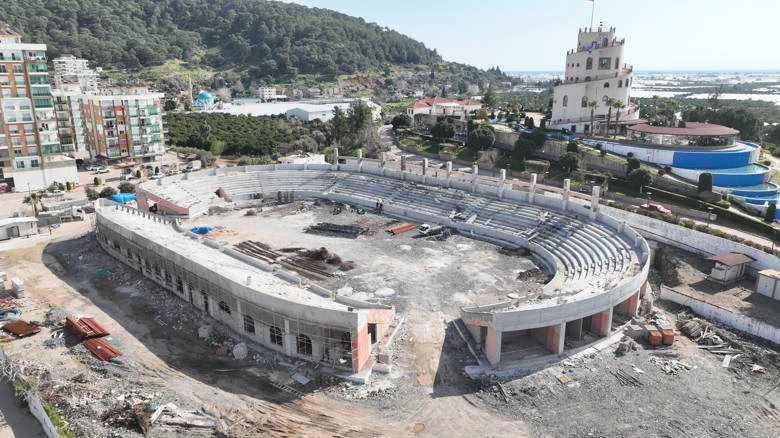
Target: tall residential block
x=30 y=153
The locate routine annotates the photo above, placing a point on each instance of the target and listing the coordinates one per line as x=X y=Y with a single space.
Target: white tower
x=594 y=72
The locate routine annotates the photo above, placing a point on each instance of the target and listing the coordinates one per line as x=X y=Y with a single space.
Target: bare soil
x=425 y=393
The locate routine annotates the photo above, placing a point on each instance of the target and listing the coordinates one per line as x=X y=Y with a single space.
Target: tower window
x=565 y=100
x=584 y=101
x=606 y=84
x=620 y=83
x=617 y=63
x=589 y=64
x=604 y=63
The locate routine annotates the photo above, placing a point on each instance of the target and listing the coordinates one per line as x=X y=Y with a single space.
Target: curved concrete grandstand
x=263 y=302
x=597 y=264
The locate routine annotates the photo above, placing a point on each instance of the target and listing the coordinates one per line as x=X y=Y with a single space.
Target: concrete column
x=602 y=323
x=630 y=305
x=493 y=346
x=382 y=158
x=556 y=334
x=474 y=176
x=449 y=173
x=574 y=328
x=360 y=159
x=289 y=339
x=335 y=157
x=403 y=163
x=594 y=201
x=425 y=166
x=532 y=189
x=566 y=191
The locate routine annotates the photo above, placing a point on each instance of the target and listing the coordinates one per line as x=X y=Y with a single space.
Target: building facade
x=69 y=70
x=28 y=128
x=595 y=75
x=122 y=124
x=440 y=106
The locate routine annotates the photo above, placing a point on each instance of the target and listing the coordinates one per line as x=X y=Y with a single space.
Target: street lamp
x=649 y=196
x=709 y=216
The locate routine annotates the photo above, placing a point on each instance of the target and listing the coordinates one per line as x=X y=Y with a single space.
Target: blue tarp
x=123 y=198
x=201 y=230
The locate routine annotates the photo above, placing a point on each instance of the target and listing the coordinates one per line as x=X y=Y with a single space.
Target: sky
x=534 y=35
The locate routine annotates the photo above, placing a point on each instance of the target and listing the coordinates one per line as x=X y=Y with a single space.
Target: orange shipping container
x=655 y=338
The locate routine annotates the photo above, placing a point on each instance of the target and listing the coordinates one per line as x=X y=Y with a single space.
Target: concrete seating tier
x=583 y=249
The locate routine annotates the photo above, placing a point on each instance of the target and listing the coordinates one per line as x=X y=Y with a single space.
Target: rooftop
x=214 y=260
x=691 y=128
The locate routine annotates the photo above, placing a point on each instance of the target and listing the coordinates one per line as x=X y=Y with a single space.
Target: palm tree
x=618 y=106
x=33 y=199
x=655 y=108
x=593 y=104
x=670 y=110
x=610 y=105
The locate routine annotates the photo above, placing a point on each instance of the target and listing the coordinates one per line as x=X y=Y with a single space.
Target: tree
x=126 y=187
x=33 y=199
x=770 y=214
x=705 y=182
x=573 y=146
x=569 y=161
x=593 y=104
x=610 y=105
x=482 y=138
x=138 y=174
x=525 y=147
x=170 y=105
x=107 y=192
x=639 y=178
x=339 y=126
x=443 y=130
x=489 y=98
x=774 y=135
x=91 y=193
x=714 y=98
x=401 y=121
x=670 y=111
x=618 y=105
x=96 y=181
x=633 y=164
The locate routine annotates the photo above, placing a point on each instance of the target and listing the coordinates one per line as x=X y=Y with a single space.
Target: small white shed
x=768 y=283
x=17 y=227
x=729 y=267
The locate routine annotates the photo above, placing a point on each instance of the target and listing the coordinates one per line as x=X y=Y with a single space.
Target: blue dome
x=205 y=95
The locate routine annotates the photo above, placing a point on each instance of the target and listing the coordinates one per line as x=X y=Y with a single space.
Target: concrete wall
x=40 y=178
x=768 y=286
x=719 y=314
x=691 y=240
x=35 y=407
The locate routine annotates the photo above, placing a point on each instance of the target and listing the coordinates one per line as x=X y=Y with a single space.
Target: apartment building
x=30 y=153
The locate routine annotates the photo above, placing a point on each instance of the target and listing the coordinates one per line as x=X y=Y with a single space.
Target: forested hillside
x=276 y=39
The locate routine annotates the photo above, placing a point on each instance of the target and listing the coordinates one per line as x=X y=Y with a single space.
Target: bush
x=766 y=162
x=668 y=169
x=126 y=187
x=91 y=193
x=68 y=186
x=723 y=203
x=96 y=181
x=138 y=174
x=107 y=192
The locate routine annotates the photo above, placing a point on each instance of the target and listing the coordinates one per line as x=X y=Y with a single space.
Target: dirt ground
x=425 y=393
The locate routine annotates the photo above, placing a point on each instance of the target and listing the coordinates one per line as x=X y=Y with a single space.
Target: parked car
x=93 y=167
x=157 y=176
x=655 y=207
x=101 y=170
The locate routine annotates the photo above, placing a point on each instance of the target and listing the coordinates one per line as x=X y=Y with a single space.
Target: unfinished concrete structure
x=262 y=302
x=598 y=265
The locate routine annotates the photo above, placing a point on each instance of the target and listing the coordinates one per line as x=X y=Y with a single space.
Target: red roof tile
x=85 y=328
x=102 y=349
x=21 y=328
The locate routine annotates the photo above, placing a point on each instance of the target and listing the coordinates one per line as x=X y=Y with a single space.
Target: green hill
x=267 y=38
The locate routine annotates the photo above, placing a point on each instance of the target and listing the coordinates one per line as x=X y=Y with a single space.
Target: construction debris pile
x=312 y=264
x=331 y=229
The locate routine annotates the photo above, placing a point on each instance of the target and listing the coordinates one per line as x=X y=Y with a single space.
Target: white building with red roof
x=441 y=106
